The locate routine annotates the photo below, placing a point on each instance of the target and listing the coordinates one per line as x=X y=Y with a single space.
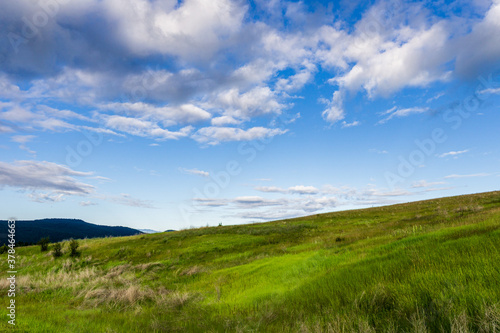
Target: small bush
x=73 y=246
x=3 y=249
x=57 y=250
x=44 y=244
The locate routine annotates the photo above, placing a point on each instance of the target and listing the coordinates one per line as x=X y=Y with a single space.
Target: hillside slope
x=429 y=266
x=60 y=229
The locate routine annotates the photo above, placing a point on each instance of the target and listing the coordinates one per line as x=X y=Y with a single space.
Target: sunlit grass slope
x=429 y=266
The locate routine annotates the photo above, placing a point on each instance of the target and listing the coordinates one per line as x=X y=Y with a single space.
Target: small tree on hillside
x=44 y=244
x=73 y=246
x=57 y=250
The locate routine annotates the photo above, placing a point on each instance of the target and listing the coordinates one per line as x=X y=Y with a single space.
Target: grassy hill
x=429 y=266
x=60 y=229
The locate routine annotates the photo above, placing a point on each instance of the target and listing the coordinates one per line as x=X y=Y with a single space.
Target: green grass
x=429 y=266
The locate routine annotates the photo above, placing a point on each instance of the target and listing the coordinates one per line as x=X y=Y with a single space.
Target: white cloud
x=479 y=51
x=301 y=189
x=353 y=124
x=14 y=112
x=222 y=62
x=412 y=58
x=52 y=124
x=168 y=115
x=7 y=89
x=178 y=29
x=441 y=94
x=270 y=189
x=298 y=80
x=385 y=193
x=225 y=120
x=335 y=110
x=63 y=114
x=399 y=113
x=455 y=176
x=255 y=102
x=194 y=172
x=316 y=204
x=454 y=153
x=216 y=135
x=36 y=175
x=490 y=91
x=23 y=140
x=424 y=183
x=143 y=128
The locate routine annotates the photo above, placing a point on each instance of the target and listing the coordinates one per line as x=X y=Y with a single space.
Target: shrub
x=73 y=246
x=44 y=244
x=57 y=250
x=3 y=248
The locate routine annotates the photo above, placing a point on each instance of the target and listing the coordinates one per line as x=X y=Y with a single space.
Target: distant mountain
x=149 y=231
x=30 y=232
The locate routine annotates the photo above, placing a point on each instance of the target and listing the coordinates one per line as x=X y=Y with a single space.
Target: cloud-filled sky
x=169 y=114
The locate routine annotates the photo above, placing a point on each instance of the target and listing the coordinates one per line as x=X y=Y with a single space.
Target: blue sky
x=172 y=114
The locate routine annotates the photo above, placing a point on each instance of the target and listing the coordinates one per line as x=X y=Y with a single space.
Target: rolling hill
x=60 y=229
x=428 y=266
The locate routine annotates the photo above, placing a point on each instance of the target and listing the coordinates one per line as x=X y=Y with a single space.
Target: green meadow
x=428 y=266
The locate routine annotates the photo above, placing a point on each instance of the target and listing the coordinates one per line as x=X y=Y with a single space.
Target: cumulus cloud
x=224 y=121
x=143 y=128
x=168 y=115
x=301 y=189
x=181 y=30
x=255 y=102
x=414 y=59
x=170 y=63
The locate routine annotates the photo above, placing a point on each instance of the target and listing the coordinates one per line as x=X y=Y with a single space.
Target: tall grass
x=429 y=266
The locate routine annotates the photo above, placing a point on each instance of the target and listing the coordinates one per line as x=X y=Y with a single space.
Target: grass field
x=429 y=266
